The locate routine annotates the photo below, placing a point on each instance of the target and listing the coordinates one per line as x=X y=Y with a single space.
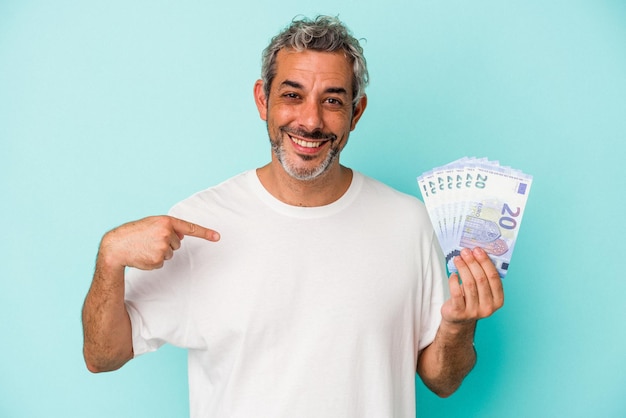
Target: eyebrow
x=292 y=84
x=337 y=90
x=296 y=85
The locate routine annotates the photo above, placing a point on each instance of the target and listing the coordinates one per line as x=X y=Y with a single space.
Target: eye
x=334 y=101
x=291 y=95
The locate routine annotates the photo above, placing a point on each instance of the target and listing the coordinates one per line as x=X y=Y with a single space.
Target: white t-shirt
x=296 y=312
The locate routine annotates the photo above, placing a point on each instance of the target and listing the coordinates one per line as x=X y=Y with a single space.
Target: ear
x=358 y=111
x=260 y=99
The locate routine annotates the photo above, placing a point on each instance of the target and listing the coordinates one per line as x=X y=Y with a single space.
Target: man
x=321 y=295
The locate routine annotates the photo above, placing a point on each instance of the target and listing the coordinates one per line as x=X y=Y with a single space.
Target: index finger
x=182 y=228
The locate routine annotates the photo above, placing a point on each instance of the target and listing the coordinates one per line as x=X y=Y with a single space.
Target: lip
x=307 y=146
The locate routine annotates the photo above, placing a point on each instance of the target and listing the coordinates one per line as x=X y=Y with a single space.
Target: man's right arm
x=145 y=244
x=107 y=342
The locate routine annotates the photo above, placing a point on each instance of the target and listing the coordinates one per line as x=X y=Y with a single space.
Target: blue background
x=112 y=111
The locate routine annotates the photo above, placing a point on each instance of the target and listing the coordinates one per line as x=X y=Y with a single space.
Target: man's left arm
x=444 y=364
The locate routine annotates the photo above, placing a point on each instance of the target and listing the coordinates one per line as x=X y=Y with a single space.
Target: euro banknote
x=475 y=202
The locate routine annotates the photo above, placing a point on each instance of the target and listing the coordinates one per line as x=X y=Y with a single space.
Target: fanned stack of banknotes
x=474 y=202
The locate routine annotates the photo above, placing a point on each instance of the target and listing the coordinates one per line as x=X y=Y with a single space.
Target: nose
x=310 y=116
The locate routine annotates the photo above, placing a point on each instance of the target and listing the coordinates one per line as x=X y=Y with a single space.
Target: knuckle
x=481 y=279
x=469 y=285
x=160 y=221
x=156 y=258
x=165 y=222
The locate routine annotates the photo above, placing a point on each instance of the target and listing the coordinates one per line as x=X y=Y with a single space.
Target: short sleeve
x=157 y=303
x=434 y=279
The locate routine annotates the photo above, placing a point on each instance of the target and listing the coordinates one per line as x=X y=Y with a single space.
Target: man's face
x=309 y=110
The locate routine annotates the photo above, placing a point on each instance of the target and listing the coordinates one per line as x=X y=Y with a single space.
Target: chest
x=330 y=279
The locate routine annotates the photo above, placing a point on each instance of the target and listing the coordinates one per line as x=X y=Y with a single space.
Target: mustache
x=316 y=135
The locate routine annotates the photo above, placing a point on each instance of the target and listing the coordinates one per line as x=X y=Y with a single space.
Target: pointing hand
x=147 y=243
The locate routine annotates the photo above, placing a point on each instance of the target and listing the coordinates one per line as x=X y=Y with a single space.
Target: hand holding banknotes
x=478 y=293
x=476 y=208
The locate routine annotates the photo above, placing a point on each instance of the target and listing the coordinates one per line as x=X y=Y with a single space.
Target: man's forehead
x=332 y=64
x=290 y=55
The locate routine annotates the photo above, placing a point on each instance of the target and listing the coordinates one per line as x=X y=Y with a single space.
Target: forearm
x=444 y=364
x=106 y=325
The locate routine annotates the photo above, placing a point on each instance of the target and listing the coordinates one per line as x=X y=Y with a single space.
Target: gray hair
x=325 y=33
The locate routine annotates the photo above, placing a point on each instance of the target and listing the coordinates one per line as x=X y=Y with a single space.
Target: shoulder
x=219 y=197
x=386 y=195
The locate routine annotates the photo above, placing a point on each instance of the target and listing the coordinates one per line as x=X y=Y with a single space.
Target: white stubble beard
x=302 y=174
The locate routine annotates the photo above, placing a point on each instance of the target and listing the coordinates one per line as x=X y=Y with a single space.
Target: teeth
x=307 y=144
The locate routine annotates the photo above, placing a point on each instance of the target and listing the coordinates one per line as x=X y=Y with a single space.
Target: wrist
x=458 y=329
x=107 y=257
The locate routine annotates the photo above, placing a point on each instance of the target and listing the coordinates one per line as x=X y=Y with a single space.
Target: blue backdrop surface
x=112 y=111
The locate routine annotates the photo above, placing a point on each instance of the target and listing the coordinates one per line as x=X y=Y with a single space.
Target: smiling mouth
x=307 y=144
x=309 y=140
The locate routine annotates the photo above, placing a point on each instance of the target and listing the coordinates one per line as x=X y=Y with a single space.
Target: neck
x=325 y=189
